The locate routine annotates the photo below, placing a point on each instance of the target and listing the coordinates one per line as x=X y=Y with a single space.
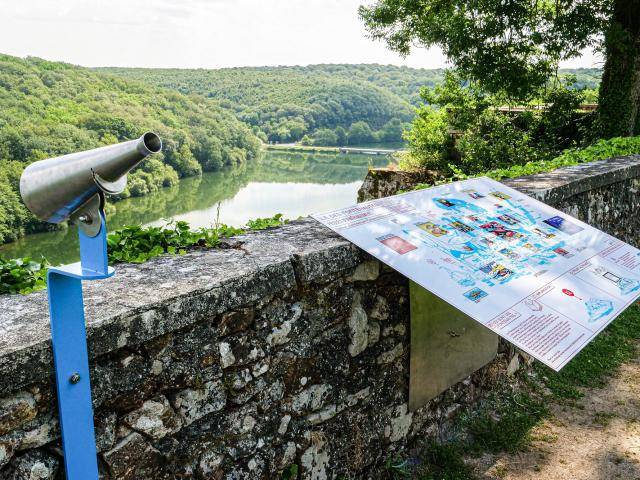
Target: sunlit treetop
x=508 y=46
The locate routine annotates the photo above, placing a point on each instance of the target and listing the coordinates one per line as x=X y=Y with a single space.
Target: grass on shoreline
x=302 y=148
x=328 y=150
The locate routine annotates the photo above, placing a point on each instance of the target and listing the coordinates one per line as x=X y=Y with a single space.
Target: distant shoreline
x=377 y=150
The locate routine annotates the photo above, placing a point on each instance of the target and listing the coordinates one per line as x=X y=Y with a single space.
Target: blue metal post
x=69 y=340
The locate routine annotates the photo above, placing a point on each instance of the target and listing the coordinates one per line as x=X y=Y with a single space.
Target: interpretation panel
x=543 y=280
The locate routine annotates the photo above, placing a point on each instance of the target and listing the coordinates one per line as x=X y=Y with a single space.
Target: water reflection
x=288 y=183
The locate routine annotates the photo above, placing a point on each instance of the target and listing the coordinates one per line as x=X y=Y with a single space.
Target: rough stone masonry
x=287 y=347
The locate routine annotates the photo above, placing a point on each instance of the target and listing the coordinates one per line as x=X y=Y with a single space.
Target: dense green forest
x=587 y=78
x=286 y=104
x=50 y=108
x=317 y=104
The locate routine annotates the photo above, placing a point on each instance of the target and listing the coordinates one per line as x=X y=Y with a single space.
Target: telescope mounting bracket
x=89 y=216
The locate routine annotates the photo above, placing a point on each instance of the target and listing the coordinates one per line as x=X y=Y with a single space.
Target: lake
x=294 y=184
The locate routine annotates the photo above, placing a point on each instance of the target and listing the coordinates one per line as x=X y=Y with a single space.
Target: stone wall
x=285 y=347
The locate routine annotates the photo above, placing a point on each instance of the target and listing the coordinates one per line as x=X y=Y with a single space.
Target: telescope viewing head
x=72 y=187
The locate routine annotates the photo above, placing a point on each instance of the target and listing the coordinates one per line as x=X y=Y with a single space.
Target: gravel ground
x=598 y=438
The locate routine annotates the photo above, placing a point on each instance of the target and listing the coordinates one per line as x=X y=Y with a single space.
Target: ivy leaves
x=135 y=244
x=22 y=275
x=132 y=244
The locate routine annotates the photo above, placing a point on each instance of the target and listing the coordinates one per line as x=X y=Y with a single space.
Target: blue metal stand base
x=69 y=340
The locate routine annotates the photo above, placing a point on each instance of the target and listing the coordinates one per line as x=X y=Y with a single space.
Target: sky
x=201 y=33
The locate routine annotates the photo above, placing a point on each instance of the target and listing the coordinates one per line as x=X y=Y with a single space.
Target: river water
x=293 y=184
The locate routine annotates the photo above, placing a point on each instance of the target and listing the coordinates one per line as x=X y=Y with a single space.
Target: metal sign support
x=446 y=346
x=68 y=337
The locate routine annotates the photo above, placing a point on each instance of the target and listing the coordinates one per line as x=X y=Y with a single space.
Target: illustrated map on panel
x=543 y=280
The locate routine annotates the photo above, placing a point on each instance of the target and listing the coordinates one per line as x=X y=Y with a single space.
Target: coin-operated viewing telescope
x=68 y=187
x=73 y=187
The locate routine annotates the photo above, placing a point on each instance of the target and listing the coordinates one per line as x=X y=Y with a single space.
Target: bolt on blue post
x=70 y=354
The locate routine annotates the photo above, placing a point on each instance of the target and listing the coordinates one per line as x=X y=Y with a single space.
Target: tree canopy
x=511 y=47
x=515 y=47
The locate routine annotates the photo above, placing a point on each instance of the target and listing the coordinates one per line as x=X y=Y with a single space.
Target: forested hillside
x=285 y=104
x=320 y=104
x=49 y=108
x=588 y=78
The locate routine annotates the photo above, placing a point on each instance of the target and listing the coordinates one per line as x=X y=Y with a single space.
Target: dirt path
x=599 y=439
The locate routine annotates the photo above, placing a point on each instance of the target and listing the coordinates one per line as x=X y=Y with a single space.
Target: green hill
x=50 y=108
x=588 y=78
x=284 y=104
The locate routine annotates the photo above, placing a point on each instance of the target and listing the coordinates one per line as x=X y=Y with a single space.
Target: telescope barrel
x=55 y=188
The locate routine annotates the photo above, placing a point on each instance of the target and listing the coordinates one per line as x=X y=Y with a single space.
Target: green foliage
x=463 y=100
x=444 y=462
x=397 y=468
x=360 y=132
x=182 y=159
x=561 y=124
x=290 y=472
x=264 y=223
x=508 y=430
x=306 y=141
x=341 y=135
x=15 y=219
x=613 y=147
x=460 y=127
x=600 y=150
x=436 y=462
x=494 y=141
x=514 y=48
x=287 y=103
x=136 y=244
x=501 y=424
x=430 y=143
x=132 y=244
x=391 y=132
x=22 y=275
x=150 y=177
x=510 y=48
x=325 y=138
x=49 y=109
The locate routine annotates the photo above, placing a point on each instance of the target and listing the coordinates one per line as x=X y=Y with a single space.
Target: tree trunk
x=619 y=97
